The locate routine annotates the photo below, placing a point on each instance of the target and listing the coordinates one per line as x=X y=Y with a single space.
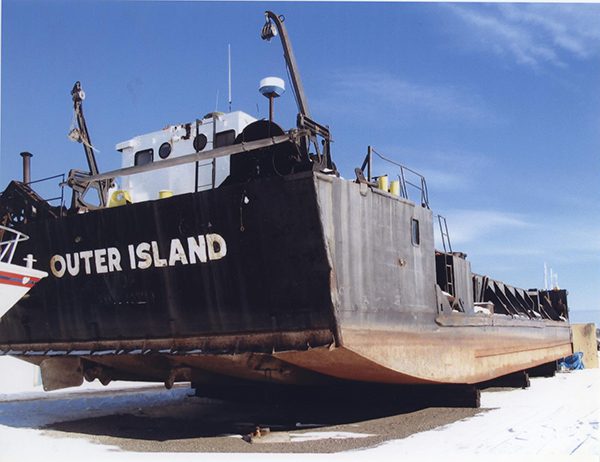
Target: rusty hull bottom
x=446 y=355
x=457 y=355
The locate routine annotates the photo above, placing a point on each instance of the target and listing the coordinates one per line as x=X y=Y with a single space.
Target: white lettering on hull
x=143 y=255
x=58 y=266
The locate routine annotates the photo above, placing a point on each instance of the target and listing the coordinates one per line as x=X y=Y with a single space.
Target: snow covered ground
x=555 y=417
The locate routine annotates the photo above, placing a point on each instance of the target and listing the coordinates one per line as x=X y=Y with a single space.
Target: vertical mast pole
x=229 y=73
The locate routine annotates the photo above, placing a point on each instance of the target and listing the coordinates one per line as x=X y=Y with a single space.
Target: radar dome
x=272 y=87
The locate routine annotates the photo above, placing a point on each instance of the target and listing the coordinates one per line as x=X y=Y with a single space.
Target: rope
x=76 y=135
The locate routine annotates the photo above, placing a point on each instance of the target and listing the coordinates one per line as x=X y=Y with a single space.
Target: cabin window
x=416 y=237
x=225 y=138
x=164 y=151
x=144 y=157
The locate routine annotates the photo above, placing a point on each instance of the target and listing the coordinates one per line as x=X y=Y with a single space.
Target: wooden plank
x=584 y=340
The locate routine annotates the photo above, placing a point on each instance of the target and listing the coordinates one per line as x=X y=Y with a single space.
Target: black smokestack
x=26 y=166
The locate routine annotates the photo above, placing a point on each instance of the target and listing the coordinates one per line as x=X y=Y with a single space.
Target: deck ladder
x=447 y=254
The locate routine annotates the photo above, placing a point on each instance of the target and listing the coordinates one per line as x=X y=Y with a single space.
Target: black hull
x=274 y=277
x=304 y=279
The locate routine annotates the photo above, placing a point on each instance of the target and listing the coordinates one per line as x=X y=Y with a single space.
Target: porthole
x=200 y=142
x=164 y=151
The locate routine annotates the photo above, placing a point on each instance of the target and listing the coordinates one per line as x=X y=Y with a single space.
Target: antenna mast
x=229 y=73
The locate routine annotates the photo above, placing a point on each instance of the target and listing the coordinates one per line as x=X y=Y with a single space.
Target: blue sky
x=497 y=104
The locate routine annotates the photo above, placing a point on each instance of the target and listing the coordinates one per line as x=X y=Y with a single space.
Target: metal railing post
x=369 y=163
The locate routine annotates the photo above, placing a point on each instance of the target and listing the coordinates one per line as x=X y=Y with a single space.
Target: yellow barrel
x=119 y=197
x=395 y=188
x=164 y=193
x=382 y=183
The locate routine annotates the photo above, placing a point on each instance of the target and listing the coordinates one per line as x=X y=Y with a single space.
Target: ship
x=228 y=251
x=15 y=280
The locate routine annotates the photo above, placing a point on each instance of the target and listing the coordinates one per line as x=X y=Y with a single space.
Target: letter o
x=55 y=261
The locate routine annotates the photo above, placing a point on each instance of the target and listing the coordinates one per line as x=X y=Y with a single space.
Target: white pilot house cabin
x=213 y=131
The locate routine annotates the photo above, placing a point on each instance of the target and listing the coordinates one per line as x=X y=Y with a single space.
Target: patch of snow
x=555 y=416
x=26 y=411
x=307 y=425
x=314 y=436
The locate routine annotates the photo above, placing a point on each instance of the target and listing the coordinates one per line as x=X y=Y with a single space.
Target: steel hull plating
x=314 y=279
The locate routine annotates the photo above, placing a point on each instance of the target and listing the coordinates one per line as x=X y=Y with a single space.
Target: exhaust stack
x=26 y=166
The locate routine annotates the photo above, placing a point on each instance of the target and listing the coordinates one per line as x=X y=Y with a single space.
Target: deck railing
x=61 y=185
x=8 y=245
x=407 y=177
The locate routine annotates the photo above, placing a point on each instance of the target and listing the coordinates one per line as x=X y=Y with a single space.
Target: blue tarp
x=572 y=362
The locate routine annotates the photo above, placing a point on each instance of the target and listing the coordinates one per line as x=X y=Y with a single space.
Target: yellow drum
x=395 y=188
x=119 y=197
x=382 y=183
x=164 y=193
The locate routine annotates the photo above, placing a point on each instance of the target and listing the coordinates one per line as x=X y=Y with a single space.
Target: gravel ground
x=206 y=425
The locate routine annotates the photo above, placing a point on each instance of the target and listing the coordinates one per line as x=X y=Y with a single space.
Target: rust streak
x=510 y=350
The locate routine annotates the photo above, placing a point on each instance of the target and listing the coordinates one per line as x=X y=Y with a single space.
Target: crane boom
x=268 y=32
x=82 y=135
x=322 y=158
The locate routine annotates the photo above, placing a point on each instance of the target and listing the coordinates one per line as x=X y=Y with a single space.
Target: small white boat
x=15 y=280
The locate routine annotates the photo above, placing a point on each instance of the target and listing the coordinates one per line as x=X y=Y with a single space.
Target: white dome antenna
x=271 y=87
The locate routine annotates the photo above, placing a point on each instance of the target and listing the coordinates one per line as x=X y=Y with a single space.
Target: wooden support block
x=584 y=340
